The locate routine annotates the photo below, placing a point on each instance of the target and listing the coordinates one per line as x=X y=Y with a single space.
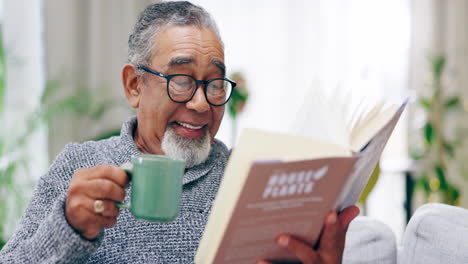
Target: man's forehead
x=181 y=45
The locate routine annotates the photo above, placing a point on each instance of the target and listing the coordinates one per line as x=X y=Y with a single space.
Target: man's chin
x=193 y=151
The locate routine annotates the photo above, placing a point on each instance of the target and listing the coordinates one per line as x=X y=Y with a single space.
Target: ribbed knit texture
x=44 y=235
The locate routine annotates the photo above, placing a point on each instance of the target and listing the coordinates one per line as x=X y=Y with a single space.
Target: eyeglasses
x=181 y=87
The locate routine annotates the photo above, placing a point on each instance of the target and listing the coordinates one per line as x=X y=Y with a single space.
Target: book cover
x=281 y=197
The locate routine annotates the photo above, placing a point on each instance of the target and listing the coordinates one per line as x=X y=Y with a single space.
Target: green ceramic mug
x=156 y=187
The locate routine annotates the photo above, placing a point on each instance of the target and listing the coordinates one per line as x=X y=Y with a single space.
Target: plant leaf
x=51 y=87
x=6 y=176
x=452 y=102
x=453 y=191
x=232 y=110
x=438 y=64
x=440 y=172
x=450 y=149
x=2 y=242
x=98 y=111
x=424 y=103
x=109 y=134
x=429 y=133
x=422 y=182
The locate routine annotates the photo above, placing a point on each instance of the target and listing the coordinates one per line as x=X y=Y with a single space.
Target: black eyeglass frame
x=197 y=84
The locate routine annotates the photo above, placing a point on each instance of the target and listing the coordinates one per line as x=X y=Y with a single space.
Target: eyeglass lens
x=182 y=87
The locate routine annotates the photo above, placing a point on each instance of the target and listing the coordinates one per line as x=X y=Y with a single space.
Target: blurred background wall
x=61 y=73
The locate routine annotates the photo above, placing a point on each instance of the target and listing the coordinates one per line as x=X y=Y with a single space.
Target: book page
x=367 y=160
x=323 y=115
x=364 y=118
x=281 y=197
x=372 y=123
x=260 y=144
x=345 y=116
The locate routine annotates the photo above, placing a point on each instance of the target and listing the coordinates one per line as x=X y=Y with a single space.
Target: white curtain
x=86 y=46
x=24 y=82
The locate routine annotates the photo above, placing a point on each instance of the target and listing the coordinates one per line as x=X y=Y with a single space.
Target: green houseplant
x=238 y=99
x=438 y=150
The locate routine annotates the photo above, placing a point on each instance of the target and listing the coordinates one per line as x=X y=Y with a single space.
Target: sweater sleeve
x=43 y=234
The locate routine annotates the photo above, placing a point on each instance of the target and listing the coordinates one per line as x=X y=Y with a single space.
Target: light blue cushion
x=369 y=241
x=438 y=234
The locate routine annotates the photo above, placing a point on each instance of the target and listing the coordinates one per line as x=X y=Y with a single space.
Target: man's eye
x=183 y=83
x=217 y=88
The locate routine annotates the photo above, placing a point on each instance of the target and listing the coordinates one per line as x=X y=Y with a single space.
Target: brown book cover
x=281 y=197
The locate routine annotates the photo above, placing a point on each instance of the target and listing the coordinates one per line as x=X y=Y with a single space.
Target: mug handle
x=128 y=168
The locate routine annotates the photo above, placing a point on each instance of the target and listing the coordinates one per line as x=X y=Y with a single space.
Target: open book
x=278 y=183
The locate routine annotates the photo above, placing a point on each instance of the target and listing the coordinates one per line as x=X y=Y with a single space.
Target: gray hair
x=158 y=16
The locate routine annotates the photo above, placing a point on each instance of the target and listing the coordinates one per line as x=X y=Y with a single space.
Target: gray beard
x=192 y=151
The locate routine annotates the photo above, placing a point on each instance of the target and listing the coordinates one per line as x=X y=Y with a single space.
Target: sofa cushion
x=438 y=234
x=369 y=241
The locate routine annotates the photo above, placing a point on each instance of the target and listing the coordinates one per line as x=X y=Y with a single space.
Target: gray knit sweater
x=44 y=235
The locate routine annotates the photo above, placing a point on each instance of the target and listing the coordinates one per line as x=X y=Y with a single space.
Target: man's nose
x=198 y=102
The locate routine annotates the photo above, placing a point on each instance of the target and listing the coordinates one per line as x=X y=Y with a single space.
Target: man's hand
x=102 y=182
x=331 y=244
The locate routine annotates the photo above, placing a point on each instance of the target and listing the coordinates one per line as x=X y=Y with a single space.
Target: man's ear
x=131 y=83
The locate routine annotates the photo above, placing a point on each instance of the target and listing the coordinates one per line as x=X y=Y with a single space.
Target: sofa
x=436 y=233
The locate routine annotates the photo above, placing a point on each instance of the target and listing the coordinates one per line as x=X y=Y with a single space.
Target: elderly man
x=173 y=78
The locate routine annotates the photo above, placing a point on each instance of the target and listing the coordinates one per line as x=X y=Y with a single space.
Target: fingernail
x=332 y=218
x=283 y=241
